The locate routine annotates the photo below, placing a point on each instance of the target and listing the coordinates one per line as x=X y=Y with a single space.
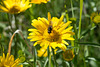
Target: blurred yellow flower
x=43 y=51
x=14 y=6
x=39 y=1
x=51 y=32
x=68 y=55
x=8 y=61
x=95 y=17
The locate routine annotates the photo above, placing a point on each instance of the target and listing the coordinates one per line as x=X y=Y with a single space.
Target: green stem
x=81 y=8
x=45 y=62
x=67 y=18
x=72 y=8
x=74 y=23
x=16 y=23
x=9 y=20
x=34 y=64
x=89 y=44
x=76 y=38
x=70 y=63
x=54 y=58
x=79 y=30
x=50 y=60
x=16 y=41
x=92 y=32
x=31 y=11
x=72 y=42
x=49 y=56
x=87 y=31
x=75 y=29
x=1 y=47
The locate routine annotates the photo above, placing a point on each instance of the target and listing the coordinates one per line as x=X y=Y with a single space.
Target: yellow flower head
x=43 y=51
x=51 y=32
x=95 y=17
x=68 y=55
x=14 y=6
x=39 y=1
x=8 y=61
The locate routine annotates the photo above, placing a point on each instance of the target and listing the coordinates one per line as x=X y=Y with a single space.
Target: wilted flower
x=51 y=32
x=14 y=6
x=68 y=55
x=95 y=17
x=8 y=61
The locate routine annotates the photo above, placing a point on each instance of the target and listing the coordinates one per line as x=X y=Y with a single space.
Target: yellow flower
x=43 y=51
x=68 y=55
x=8 y=61
x=95 y=17
x=51 y=32
x=14 y=6
x=39 y=1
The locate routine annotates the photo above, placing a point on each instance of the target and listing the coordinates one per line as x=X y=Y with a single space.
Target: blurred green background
x=88 y=56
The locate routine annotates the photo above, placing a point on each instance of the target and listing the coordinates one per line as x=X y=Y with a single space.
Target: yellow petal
x=69 y=38
x=45 y=21
x=55 y=21
x=7 y=57
x=20 y=65
x=3 y=8
x=39 y=26
x=32 y=30
x=53 y=45
x=36 y=39
x=60 y=20
x=64 y=26
x=3 y=56
x=69 y=32
x=49 y=17
x=17 y=61
x=66 y=30
x=62 y=46
x=7 y=4
x=11 y=58
x=35 y=44
x=65 y=42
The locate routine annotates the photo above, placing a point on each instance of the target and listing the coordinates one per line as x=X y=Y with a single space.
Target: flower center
x=14 y=9
x=54 y=36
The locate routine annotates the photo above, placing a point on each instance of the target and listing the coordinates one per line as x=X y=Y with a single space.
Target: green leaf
x=89 y=44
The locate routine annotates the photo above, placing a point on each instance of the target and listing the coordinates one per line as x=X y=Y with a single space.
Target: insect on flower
x=50 y=27
x=51 y=32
